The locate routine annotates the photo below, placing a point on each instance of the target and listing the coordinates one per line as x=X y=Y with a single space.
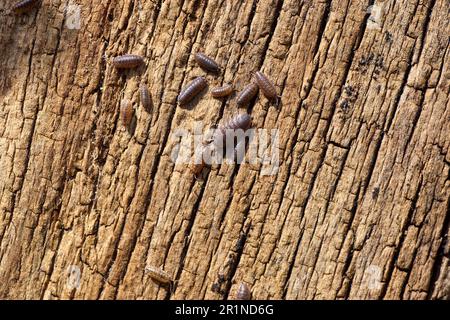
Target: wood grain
x=358 y=210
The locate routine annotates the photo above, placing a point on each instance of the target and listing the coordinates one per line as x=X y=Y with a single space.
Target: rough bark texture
x=358 y=209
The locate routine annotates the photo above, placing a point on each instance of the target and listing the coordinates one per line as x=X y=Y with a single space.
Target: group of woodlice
x=187 y=94
x=192 y=90
x=241 y=121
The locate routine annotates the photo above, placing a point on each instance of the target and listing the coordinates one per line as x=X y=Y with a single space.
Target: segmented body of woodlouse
x=126 y=112
x=243 y=292
x=24 y=6
x=158 y=275
x=224 y=91
x=192 y=90
x=128 y=61
x=146 y=98
x=266 y=86
x=247 y=94
x=241 y=121
x=206 y=62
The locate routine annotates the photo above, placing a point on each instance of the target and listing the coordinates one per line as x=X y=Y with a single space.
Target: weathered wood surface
x=358 y=209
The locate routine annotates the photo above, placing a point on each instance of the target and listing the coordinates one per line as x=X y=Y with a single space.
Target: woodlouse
x=128 y=61
x=24 y=6
x=146 y=98
x=224 y=91
x=159 y=275
x=247 y=94
x=266 y=86
x=206 y=62
x=241 y=121
x=192 y=90
x=243 y=292
x=126 y=112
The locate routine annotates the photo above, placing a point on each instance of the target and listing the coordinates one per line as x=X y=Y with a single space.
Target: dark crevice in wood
x=441 y=253
x=349 y=259
x=324 y=150
x=251 y=105
x=363 y=27
x=187 y=234
x=398 y=247
x=323 y=23
x=238 y=252
x=159 y=154
x=424 y=31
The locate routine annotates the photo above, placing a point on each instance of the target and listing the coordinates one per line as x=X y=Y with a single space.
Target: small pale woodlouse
x=146 y=98
x=24 y=6
x=224 y=91
x=206 y=62
x=266 y=86
x=128 y=61
x=192 y=90
x=247 y=94
x=241 y=121
x=159 y=275
x=126 y=112
x=243 y=292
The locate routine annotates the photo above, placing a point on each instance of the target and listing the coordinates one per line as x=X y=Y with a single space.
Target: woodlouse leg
x=277 y=101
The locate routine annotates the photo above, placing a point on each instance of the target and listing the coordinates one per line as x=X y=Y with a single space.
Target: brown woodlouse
x=126 y=112
x=192 y=90
x=266 y=86
x=247 y=94
x=158 y=275
x=224 y=91
x=146 y=98
x=206 y=62
x=243 y=292
x=24 y=6
x=128 y=61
